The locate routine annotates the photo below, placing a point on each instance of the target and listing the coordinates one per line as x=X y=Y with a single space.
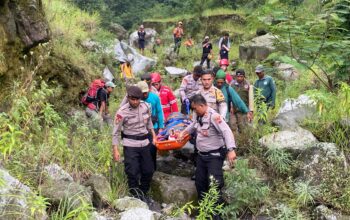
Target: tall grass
x=70 y=26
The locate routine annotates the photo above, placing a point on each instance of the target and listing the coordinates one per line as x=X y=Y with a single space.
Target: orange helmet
x=224 y=62
x=156 y=77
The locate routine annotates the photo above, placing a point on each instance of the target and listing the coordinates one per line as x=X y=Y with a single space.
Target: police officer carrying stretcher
x=134 y=120
x=214 y=142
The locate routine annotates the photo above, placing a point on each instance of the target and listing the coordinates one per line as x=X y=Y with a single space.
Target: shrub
x=279 y=160
x=305 y=193
x=244 y=190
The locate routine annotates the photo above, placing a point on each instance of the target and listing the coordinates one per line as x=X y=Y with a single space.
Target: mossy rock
x=173 y=189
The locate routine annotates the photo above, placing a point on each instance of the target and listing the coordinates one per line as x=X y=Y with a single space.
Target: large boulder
x=15 y=199
x=294 y=141
x=63 y=191
x=173 y=189
x=150 y=38
x=140 y=64
x=259 y=48
x=55 y=173
x=127 y=203
x=118 y=30
x=287 y=72
x=139 y=214
x=294 y=111
x=101 y=189
x=175 y=72
x=173 y=166
x=320 y=159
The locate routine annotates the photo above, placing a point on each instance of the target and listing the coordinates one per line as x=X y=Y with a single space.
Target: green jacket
x=232 y=98
x=268 y=87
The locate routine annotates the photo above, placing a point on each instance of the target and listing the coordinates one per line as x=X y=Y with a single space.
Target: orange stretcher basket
x=173 y=144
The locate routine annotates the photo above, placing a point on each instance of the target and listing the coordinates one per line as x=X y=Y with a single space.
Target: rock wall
x=22 y=26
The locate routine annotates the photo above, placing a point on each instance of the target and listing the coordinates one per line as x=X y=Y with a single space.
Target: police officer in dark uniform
x=215 y=142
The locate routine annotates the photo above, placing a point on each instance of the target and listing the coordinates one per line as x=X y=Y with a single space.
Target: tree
x=320 y=42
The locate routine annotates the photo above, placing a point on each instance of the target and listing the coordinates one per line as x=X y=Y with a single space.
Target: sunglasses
x=155 y=84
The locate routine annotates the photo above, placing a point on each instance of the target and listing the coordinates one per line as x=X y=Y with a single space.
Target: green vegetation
x=34 y=131
x=244 y=190
x=279 y=160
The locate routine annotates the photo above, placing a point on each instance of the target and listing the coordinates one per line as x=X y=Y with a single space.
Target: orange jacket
x=178 y=32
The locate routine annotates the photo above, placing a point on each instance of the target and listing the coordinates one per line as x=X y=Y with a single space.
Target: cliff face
x=22 y=26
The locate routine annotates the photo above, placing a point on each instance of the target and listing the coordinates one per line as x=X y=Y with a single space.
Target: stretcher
x=172 y=144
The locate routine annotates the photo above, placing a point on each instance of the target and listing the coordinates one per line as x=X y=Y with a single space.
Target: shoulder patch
x=218 y=119
x=118 y=118
x=219 y=96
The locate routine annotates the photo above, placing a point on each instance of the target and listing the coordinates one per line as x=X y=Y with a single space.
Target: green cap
x=220 y=74
x=260 y=68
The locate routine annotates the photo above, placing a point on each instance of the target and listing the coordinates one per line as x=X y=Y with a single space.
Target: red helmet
x=155 y=77
x=224 y=62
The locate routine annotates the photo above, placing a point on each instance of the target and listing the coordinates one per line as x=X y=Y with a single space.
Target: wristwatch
x=230 y=149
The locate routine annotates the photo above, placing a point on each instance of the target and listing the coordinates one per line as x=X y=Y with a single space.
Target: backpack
x=91 y=94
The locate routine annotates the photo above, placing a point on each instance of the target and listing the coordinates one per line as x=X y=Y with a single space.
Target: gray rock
x=171 y=165
x=107 y=74
x=99 y=216
x=127 y=203
x=71 y=192
x=294 y=111
x=24 y=20
x=186 y=152
x=316 y=160
x=287 y=72
x=140 y=64
x=90 y=45
x=173 y=189
x=258 y=48
x=174 y=71
x=182 y=217
x=15 y=199
x=55 y=173
x=322 y=212
x=170 y=57
x=150 y=38
x=118 y=30
x=101 y=189
x=139 y=214
x=294 y=140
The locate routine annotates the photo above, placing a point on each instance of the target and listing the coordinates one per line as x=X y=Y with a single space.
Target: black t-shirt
x=141 y=35
x=207 y=48
x=102 y=96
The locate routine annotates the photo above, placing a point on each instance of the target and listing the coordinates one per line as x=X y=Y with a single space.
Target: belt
x=135 y=137
x=211 y=152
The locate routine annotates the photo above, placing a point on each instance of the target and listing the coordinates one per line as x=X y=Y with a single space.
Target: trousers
x=209 y=165
x=139 y=169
